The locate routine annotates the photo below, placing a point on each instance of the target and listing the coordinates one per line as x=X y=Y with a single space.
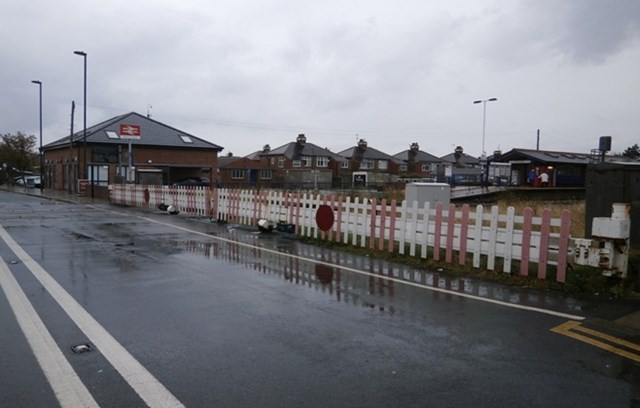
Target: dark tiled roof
x=235 y=162
x=461 y=160
x=368 y=153
x=419 y=157
x=152 y=133
x=294 y=151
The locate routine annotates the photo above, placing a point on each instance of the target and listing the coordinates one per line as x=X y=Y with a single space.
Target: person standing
x=532 y=178
x=544 y=179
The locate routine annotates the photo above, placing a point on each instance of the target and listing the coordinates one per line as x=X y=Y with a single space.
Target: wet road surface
x=183 y=312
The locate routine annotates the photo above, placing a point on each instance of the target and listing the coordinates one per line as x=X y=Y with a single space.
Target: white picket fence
x=427 y=231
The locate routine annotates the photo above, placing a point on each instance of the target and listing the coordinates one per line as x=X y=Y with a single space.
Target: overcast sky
x=245 y=73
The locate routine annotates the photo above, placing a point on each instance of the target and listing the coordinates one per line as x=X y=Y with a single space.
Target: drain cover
x=81 y=348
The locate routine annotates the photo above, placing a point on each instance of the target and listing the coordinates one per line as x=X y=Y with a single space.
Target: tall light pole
x=84 y=114
x=483 y=157
x=39 y=83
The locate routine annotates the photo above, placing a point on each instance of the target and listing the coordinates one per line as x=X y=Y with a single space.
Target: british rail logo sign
x=129 y=131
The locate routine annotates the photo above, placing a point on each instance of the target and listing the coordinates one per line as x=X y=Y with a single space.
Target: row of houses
x=133 y=148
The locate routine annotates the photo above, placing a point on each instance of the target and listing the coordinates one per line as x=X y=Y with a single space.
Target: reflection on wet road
x=341 y=275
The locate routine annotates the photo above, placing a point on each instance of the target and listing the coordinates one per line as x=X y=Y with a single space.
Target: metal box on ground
x=609 y=183
x=431 y=192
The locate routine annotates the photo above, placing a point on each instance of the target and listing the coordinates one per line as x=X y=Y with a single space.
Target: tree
x=632 y=152
x=18 y=153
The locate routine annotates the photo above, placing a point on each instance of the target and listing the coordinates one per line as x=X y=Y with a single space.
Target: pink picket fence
x=456 y=235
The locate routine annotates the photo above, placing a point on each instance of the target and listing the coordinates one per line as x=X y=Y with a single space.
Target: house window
x=237 y=174
x=322 y=161
x=344 y=165
x=403 y=167
x=186 y=139
x=265 y=174
x=382 y=164
x=306 y=161
x=426 y=168
x=295 y=163
x=366 y=164
x=281 y=162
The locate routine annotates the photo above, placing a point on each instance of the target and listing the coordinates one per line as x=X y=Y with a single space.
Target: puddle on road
x=380 y=288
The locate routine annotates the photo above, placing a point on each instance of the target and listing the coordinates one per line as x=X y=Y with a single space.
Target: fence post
x=545 y=230
x=508 y=240
x=464 y=228
x=477 y=239
x=565 y=227
x=373 y=224
x=438 y=232
x=525 y=252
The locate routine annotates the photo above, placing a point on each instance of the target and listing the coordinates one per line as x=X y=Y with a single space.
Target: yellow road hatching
x=595 y=338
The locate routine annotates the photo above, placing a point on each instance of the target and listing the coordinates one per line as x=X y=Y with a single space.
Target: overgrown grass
x=580 y=281
x=577 y=209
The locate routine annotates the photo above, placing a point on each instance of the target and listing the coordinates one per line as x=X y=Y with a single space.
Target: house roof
x=420 y=156
x=152 y=133
x=545 y=156
x=461 y=160
x=235 y=162
x=367 y=153
x=294 y=151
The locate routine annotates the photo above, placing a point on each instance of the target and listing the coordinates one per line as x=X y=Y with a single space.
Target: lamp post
x=39 y=83
x=483 y=157
x=84 y=114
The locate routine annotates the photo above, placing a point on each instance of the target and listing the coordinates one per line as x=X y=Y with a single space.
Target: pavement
x=55 y=195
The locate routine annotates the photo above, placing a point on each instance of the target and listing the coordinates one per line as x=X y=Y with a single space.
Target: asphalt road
x=180 y=311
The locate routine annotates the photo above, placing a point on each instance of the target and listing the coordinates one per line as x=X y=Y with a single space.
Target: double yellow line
x=603 y=341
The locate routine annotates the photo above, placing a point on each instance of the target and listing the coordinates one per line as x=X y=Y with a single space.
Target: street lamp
x=39 y=83
x=84 y=113
x=483 y=157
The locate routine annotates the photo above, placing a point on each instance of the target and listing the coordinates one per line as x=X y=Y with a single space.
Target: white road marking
x=65 y=383
x=139 y=378
x=354 y=270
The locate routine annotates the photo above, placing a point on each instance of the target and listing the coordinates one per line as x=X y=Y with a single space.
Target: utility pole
x=70 y=170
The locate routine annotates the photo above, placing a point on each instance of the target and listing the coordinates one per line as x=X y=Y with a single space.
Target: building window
x=383 y=164
x=100 y=175
x=281 y=162
x=344 y=165
x=306 y=161
x=186 y=139
x=403 y=167
x=426 y=168
x=265 y=174
x=366 y=164
x=237 y=174
x=295 y=163
x=322 y=161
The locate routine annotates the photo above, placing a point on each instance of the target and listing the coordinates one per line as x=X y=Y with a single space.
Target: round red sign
x=324 y=217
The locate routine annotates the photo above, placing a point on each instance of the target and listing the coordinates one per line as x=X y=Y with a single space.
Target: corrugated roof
x=152 y=133
x=546 y=156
